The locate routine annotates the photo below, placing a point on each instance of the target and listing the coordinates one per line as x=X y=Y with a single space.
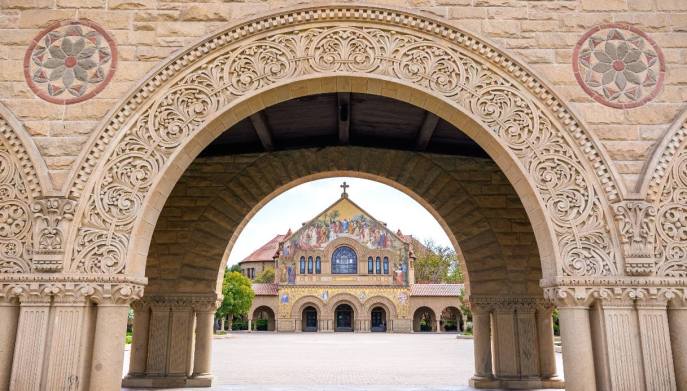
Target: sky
x=302 y=203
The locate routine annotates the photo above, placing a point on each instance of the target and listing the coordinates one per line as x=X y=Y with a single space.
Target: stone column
x=578 y=357
x=250 y=325
x=180 y=350
x=202 y=356
x=438 y=325
x=527 y=340
x=547 y=355
x=677 y=319
x=9 y=317
x=652 y=311
x=621 y=329
x=108 y=345
x=481 y=329
x=139 y=342
x=29 y=348
x=504 y=332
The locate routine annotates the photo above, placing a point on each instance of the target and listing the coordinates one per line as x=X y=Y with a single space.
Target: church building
x=346 y=271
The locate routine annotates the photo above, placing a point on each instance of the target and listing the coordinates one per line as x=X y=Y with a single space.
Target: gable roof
x=436 y=289
x=266 y=252
x=264 y=289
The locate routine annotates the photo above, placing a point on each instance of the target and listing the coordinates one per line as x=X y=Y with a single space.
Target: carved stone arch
x=554 y=163
x=345 y=298
x=383 y=302
x=305 y=301
x=23 y=179
x=665 y=208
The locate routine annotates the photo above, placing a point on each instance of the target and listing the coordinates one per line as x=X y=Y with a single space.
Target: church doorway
x=344 y=318
x=263 y=319
x=424 y=320
x=310 y=319
x=378 y=320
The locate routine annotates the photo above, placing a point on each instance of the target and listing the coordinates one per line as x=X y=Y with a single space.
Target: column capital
x=479 y=303
x=51 y=219
x=199 y=302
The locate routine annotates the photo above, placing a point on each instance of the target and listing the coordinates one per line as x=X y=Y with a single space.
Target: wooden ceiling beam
x=426 y=131
x=259 y=122
x=344 y=116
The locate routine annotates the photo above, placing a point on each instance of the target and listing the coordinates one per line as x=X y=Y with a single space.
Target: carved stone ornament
x=637 y=227
x=619 y=66
x=70 y=61
x=77 y=289
x=671 y=221
x=197 y=302
x=51 y=217
x=15 y=214
x=384 y=44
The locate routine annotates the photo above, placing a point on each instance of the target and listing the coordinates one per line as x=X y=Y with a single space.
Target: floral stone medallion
x=70 y=61
x=619 y=66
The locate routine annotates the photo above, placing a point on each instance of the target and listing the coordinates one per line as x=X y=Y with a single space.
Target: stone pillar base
x=517 y=384
x=167 y=381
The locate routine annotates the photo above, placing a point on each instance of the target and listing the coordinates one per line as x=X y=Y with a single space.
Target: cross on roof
x=344 y=186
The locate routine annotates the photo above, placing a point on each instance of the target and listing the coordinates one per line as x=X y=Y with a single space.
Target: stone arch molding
x=26 y=235
x=568 y=174
x=657 y=226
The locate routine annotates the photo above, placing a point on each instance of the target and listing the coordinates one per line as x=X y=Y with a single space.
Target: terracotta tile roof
x=266 y=252
x=436 y=289
x=265 y=289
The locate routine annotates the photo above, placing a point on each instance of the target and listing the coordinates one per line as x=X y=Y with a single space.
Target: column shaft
x=659 y=371
x=547 y=355
x=623 y=346
x=677 y=318
x=481 y=328
x=578 y=359
x=64 y=348
x=29 y=350
x=202 y=359
x=108 y=347
x=9 y=317
x=139 y=342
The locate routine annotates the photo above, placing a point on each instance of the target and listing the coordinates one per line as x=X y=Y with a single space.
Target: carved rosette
x=637 y=227
x=51 y=218
x=505 y=107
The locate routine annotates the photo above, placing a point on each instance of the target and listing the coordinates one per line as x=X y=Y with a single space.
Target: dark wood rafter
x=344 y=119
x=426 y=131
x=259 y=122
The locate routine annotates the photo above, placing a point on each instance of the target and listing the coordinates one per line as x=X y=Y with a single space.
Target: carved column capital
x=637 y=228
x=569 y=297
x=51 y=220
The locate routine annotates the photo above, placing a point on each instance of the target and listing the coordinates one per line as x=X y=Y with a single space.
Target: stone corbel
x=637 y=227
x=51 y=221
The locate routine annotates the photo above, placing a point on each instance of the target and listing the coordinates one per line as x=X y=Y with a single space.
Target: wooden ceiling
x=343 y=119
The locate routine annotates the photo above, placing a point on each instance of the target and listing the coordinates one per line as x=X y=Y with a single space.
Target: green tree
x=437 y=264
x=235 y=268
x=265 y=277
x=238 y=295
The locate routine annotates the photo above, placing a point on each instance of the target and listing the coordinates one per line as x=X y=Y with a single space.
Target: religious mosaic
x=343 y=220
x=619 y=65
x=70 y=61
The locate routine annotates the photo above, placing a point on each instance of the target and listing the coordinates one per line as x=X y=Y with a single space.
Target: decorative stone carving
x=671 y=221
x=15 y=215
x=51 y=217
x=70 y=61
x=619 y=65
x=637 y=227
x=522 y=113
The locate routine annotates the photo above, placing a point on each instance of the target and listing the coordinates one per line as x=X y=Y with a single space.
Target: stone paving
x=342 y=362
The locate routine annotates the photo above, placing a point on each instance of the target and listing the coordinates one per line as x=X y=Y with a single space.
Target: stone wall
x=542 y=34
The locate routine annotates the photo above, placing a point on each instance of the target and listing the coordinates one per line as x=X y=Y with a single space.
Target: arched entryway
x=309 y=319
x=549 y=159
x=263 y=319
x=451 y=320
x=344 y=318
x=424 y=320
x=378 y=320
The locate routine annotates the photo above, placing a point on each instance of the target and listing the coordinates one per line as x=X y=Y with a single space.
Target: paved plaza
x=342 y=361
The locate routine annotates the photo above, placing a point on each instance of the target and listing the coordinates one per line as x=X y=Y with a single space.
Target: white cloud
x=302 y=203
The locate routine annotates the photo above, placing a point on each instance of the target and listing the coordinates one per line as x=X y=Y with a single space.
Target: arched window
x=378 y=265
x=370 y=265
x=344 y=261
x=309 y=265
x=302 y=265
x=386 y=265
x=318 y=265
